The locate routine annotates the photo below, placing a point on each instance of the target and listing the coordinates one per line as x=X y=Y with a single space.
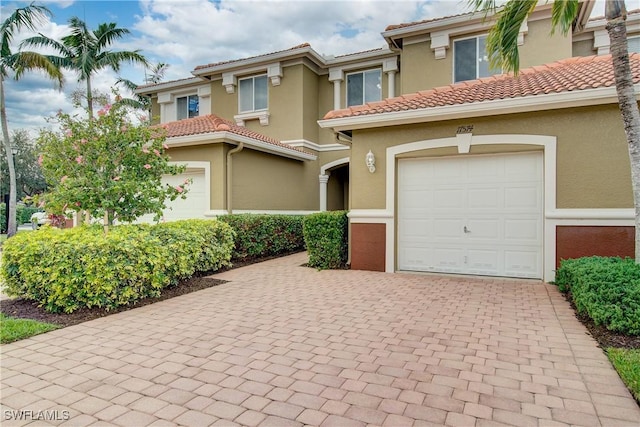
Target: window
x=471 y=60
x=633 y=44
x=364 y=87
x=188 y=107
x=253 y=94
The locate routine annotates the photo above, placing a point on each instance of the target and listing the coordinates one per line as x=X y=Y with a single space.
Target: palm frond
x=42 y=41
x=114 y=59
x=502 y=41
x=27 y=61
x=28 y=17
x=563 y=13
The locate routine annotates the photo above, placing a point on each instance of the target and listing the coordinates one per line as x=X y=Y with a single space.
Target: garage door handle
x=466 y=230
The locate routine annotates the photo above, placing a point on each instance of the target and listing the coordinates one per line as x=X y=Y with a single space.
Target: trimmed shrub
x=260 y=235
x=607 y=289
x=23 y=214
x=65 y=270
x=3 y=218
x=325 y=234
x=196 y=245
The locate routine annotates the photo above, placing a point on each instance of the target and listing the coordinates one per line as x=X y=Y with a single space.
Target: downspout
x=229 y=174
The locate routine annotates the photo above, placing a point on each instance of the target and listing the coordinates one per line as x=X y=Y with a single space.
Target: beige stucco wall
x=268 y=182
x=592 y=159
x=215 y=154
x=310 y=88
x=540 y=47
x=325 y=104
x=583 y=48
x=421 y=70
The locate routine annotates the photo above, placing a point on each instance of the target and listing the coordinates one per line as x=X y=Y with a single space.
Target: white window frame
x=346 y=97
x=633 y=38
x=254 y=93
x=453 y=70
x=187 y=112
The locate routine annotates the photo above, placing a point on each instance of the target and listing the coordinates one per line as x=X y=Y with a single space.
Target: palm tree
x=502 y=48
x=86 y=51
x=140 y=102
x=28 y=17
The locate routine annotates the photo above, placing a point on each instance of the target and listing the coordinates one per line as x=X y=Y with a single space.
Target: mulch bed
x=602 y=335
x=24 y=309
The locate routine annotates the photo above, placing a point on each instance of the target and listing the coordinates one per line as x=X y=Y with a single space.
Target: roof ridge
x=213 y=64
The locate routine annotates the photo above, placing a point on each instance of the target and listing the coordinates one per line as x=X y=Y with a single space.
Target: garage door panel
x=449 y=198
x=524 y=230
x=499 y=199
x=416 y=229
x=483 y=198
x=523 y=263
x=522 y=197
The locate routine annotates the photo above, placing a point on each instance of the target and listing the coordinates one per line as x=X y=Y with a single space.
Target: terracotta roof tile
x=571 y=74
x=378 y=49
x=214 y=64
x=425 y=21
x=211 y=123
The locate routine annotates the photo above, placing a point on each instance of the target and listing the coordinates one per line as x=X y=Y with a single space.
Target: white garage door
x=472 y=215
x=195 y=204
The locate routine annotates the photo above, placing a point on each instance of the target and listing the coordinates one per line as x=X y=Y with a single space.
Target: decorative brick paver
x=282 y=344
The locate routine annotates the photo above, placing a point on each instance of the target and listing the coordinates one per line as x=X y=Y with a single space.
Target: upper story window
x=633 y=44
x=471 y=60
x=363 y=87
x=253 y=93
x=187 y=107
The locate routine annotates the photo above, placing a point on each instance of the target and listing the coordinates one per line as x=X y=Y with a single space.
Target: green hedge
x=260 y=236
x=607 y=289
x=65 y=270
x=3 y=218
x=325 y=234
x=23 y=214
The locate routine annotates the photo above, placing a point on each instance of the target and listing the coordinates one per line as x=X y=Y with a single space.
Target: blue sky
x=187 y=33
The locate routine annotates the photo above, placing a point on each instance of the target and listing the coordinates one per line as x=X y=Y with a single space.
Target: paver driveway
x=282 y=344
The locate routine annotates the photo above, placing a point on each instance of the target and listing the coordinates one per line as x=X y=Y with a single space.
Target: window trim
x=453 y=68
x=346 y=80
x=195 y=94
x=241 y=112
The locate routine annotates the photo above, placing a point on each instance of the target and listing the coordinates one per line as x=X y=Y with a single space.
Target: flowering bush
x=107 y=165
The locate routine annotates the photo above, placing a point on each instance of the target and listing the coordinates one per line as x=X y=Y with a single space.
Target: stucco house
x=444 y=164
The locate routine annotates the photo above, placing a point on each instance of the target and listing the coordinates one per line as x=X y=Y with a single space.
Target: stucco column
x=324 y=179
x=336 y=75
x=392 y=84
x=390 y=66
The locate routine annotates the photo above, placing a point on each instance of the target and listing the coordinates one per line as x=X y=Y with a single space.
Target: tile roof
x=379 y=49
x=571 y=74
x=300 y=46
x=601 y=17
x=211 y=123
x=425 y=21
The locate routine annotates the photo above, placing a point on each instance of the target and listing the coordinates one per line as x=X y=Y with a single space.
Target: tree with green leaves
x=502 y=47
x=17 y=63
x=107 y=166
x=86 y=52
x=29 y=178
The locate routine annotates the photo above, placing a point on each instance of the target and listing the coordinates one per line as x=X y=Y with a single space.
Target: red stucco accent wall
x=368 y=247
x=578 y=241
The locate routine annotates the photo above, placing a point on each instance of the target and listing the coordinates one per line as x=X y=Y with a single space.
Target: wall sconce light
x=371 y=161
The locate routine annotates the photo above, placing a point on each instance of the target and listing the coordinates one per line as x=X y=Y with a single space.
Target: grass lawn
x=12 y=329
x=627 y=363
